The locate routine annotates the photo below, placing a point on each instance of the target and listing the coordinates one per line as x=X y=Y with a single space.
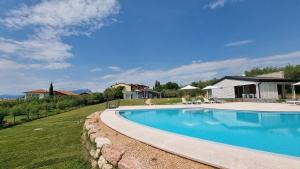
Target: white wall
x=226 y=88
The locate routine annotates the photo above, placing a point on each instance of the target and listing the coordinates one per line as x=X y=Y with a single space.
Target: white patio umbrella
x=189 y=87
x=293 y=88
x=207 y=88
x=210 y=87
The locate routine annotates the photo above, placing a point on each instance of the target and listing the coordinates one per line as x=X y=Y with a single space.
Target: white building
x=136 y=91
x=261 y=87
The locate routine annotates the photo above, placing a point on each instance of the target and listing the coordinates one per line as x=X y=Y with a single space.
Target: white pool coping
x=212 y=153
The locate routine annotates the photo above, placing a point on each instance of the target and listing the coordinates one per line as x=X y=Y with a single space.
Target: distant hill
x=80 y=91
x=6 y=96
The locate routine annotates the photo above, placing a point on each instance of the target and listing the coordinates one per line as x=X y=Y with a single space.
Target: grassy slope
x=56 y=146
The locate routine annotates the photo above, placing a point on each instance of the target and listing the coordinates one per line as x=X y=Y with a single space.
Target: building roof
x=42 y=91
x=256 y=79
x=37 y=91
x=129 y=84
x=69 y=93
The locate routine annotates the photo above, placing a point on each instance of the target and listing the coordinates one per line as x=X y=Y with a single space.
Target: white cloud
x=63 y=14
x=7 y=65
x=49 y=50
x=97 y=69
x=213 y=4
x=216 y=4
x=201 y=70
x=115 y=68
x=51 y=20
x=239 y=43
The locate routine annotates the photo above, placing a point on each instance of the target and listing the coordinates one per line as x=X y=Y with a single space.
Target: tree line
x=34 y=108
x=290 y=71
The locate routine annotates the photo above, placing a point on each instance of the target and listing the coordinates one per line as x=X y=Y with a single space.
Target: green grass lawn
x=166 y=101
x=57 y=145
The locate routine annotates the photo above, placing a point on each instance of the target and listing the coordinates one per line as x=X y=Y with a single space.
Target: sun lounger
x=184 y=101
x=208 y=101
x=199 y=101
x=293 y=102
x=217 y=100
x=148 y=102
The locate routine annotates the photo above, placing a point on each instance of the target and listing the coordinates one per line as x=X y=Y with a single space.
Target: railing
x=250 y=96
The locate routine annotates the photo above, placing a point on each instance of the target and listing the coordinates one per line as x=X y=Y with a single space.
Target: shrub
x=1 y=118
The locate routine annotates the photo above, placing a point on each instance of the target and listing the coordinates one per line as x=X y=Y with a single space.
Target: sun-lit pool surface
x=276 y=132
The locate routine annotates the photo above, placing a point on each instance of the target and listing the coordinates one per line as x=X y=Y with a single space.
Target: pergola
x=293 y=88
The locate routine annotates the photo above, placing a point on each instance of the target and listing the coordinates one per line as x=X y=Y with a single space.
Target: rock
x=89 y=126
x=92 y=130
x=101 y=162
x=101 y=141
x=112 y=154
x=128 y=162
x=38 y=129
x=95 y=153
x=93 y=137
x=107 y=166
x=91 y=116
x=94 y=163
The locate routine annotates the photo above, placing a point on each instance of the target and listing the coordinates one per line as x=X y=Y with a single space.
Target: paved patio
x=216 y=154
x=233 y=106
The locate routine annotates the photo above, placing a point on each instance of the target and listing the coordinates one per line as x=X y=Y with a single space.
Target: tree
x=15 y=111
x=201 y=84
x=157 y=86
x=51 y=92
x=113 y=93
x=259 y=71
x=3 y=112
x=1 y=118
x=108 y=94
x=118 y=92
x=292 y=72
x=171 y=86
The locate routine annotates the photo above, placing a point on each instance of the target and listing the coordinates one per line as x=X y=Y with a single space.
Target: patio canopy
x=189 y=87
x=209 y=87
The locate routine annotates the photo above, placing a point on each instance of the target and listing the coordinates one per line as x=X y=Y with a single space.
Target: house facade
x=260 y=87
x=136 y=91
x=37 y=94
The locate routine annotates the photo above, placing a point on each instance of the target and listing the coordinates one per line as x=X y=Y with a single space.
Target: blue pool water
x=267 y=131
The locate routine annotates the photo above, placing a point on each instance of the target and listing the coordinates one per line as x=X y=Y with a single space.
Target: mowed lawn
x=51 y=142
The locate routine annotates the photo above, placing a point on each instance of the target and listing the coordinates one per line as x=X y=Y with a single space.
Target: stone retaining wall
x=100 y=151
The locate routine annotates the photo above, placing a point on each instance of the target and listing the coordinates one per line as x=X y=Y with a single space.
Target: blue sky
x=93 y=44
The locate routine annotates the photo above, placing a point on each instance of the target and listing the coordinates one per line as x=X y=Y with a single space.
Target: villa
x=268 y=87
x=41 y=93
x=136 y=91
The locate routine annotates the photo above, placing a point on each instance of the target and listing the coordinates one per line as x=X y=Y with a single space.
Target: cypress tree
x=51 y=92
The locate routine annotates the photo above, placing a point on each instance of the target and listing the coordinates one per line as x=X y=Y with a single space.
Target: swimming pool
x=275 y=132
